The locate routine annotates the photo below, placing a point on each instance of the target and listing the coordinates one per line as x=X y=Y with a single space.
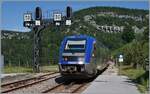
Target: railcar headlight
x=80 y=62
x=65 y=59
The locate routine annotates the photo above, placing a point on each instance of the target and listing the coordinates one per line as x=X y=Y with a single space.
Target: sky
x=12 y=11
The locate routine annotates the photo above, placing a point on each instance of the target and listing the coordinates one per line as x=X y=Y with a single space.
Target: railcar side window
x=94 y=50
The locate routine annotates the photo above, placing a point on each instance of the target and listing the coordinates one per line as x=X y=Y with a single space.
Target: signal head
x=38 y=13
x=68 y=12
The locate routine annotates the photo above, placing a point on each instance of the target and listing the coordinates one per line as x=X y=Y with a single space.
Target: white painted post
x=120 y=61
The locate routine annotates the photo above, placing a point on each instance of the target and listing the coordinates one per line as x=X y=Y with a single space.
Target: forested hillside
x=111 y=27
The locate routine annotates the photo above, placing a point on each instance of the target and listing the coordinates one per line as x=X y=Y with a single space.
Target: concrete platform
x=111 y=84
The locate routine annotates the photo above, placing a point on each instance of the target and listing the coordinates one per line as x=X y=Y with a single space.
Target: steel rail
x=27 y=84
x=6 y=84
x=52 y=88
x=77 y=89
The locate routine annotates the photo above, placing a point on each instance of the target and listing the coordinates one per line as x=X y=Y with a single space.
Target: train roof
x=79 y=36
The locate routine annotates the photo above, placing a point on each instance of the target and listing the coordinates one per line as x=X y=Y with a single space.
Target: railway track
x=8 y=87
x=73 y=87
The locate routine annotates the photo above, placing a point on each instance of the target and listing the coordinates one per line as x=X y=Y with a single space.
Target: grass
x=16 y=69
x=131 y=72
x=136 y=75
x=53 y=68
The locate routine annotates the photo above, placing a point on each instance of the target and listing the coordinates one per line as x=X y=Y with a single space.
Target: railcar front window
x=75 y=46
x=74 y=50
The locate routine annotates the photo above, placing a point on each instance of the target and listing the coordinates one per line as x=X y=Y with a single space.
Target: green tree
x=128 y=34
x=146 y=34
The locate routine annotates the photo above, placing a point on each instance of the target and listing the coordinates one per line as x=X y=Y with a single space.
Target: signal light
x=65 y=58
x=68 y=12
x=68 y=16
x=38 y=13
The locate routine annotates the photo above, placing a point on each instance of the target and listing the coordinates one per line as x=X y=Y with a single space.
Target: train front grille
x=72 y=68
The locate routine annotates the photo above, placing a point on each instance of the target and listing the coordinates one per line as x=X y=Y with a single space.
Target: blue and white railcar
x=77 y=56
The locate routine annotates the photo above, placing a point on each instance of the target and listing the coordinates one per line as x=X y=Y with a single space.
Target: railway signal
x=37 y=29
x=36 y=26
x=68 y=15
x=38 y=16
x=69 y=12
x=38 y=23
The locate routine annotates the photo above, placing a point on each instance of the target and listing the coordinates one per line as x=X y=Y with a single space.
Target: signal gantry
x=37 y=24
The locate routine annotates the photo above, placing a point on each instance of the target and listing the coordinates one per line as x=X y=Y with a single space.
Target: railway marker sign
x=68 y=22
x=37 y=22
x=27 y=17
x=120 y=58
x=57 y=17
x=27 y=20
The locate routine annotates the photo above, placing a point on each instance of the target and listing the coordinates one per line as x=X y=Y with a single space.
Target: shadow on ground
x=68 y=80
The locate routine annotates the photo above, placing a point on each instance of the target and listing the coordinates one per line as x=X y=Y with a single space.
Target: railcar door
x=93 y=64
x=94 y=58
